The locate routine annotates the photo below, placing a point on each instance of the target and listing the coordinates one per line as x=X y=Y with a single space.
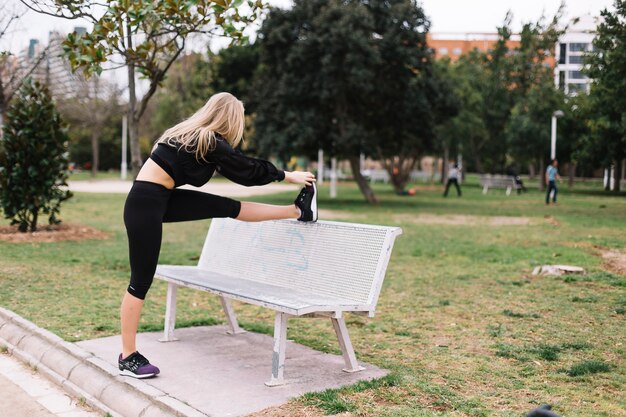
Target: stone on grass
x=558 y=270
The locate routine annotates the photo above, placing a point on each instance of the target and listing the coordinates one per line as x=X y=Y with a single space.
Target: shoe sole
x=126 y=372
x=314 y=203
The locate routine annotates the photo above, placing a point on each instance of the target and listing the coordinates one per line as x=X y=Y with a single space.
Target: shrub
x=33 y=159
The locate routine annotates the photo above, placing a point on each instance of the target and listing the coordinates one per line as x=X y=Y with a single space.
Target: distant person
x=453 y=178
x=552 y=174
x=519 y=184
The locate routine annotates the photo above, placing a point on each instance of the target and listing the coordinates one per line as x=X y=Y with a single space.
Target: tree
x=92 y=107
x=13 y=70
x=529 y=130
x=347 y=77
x=33 y=159
x=186 y=89
x=467 y=130
x=233 y=69
x=147 y=36
x=492 y=84
x=606 y=66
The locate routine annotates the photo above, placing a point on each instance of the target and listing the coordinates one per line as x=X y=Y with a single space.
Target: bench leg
x=278 y=356
x=170 y=314
x=231 y=317
x=485 y=188
x=346 y=345
x=508 y=190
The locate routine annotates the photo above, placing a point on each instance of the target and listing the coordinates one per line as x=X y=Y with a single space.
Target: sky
x=445 y=16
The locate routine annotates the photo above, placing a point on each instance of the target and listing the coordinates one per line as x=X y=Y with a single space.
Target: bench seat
x=296 y=302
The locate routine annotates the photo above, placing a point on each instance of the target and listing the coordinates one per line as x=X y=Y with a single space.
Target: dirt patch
x=551 y=220
x=56 y=233
x=429 y=218
x=614 y=261
x=292 y=409
x=340 y=215
x=463 y=220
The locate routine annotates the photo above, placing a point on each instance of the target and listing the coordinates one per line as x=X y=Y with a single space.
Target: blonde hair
x=223 y=114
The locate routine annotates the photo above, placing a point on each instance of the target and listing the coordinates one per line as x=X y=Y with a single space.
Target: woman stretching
x=189 y=153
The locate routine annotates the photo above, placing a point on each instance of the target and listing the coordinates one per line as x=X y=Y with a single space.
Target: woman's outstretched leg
x=256 y=212
x=186 y=205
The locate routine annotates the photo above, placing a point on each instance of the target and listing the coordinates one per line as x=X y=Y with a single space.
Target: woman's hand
x=299 y=177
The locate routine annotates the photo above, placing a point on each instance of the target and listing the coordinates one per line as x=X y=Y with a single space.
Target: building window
x=576 y=59
x=456 y=51
x=562 y=53
x=562 y=80
x=578 y=47
x=576 y=75
x=573 y=88
x=443 y=51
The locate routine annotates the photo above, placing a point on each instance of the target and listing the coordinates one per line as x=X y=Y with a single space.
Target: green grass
x=588 y=368
x=463 y=325
x=102 y=175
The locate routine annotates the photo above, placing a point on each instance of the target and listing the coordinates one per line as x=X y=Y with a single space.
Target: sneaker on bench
x=137 y=366
x=307 y=203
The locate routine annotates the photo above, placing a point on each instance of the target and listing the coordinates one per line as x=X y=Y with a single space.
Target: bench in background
x=498 y=181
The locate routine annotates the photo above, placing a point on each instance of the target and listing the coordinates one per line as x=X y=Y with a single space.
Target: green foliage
x=165 y=24
x=186 y=89
x=233 y=69
x=33 y=159
x=588 y=368
x=607 y=119
x=507 y=96
x=348 y=77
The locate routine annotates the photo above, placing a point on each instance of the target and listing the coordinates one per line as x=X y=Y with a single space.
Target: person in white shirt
x=453 y=178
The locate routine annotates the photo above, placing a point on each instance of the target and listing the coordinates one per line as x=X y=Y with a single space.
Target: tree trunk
x=617 y=176
x=531 y=171
x=444 y=165
x=607 y=186
x=95 y=152
x=542 y=175
x=361 y=181
x=571 y=174
x=133 y=122
x=33 y=225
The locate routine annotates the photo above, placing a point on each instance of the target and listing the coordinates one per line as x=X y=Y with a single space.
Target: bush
x=33 y=159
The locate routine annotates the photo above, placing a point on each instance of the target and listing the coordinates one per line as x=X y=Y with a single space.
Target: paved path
x=227 y=189
x=223 y=375
x=24 y=393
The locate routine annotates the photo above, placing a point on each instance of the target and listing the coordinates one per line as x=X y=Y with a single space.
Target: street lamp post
x=555 y=115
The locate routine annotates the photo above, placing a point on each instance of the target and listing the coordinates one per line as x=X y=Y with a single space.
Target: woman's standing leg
x=143 y=217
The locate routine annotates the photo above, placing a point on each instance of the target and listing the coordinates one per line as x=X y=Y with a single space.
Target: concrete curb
x=84 y=375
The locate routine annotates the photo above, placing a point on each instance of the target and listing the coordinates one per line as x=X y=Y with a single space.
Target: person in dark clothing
x=190 y=153
x=453 y=178
x=519 y=184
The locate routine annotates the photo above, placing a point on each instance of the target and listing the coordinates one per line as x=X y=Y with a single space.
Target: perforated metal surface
x=325 y=258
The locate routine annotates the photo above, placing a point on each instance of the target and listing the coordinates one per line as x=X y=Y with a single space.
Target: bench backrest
x=344 y=260
x=497 y=180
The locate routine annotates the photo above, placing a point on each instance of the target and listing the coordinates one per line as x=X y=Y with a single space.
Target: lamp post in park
x=555 y=115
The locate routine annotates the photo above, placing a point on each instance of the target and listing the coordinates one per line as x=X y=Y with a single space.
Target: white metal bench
x=321 y=269
x=498 y=181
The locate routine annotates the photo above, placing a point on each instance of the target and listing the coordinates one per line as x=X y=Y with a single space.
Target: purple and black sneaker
x=307 y=203
x=137 y=366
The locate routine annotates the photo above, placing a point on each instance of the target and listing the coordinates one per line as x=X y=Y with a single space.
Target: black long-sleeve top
x=184 y=168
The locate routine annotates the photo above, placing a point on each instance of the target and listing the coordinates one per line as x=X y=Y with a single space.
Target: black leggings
x=147 y=207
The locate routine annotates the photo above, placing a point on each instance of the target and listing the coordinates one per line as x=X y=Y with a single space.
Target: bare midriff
x=152 y=172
